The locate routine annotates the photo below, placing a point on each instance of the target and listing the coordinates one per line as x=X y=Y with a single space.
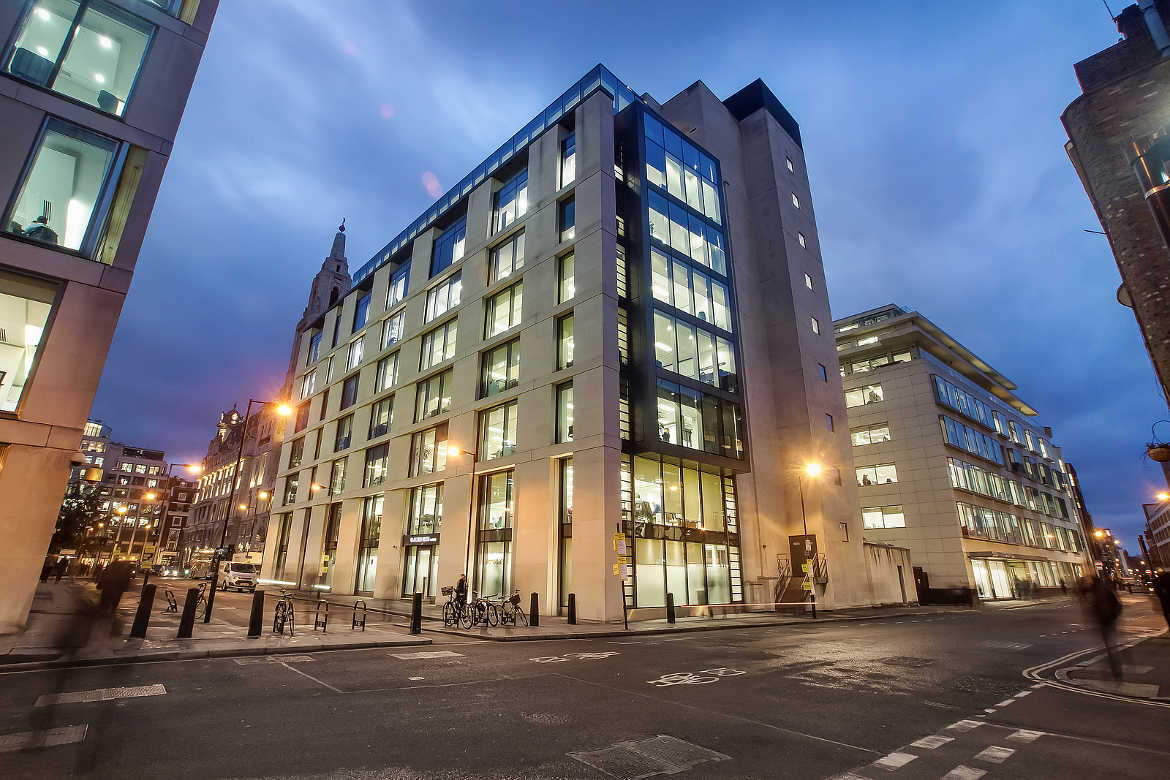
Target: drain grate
x=658 y=755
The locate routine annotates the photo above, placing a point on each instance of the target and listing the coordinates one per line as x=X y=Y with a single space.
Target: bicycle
x=484 y=611
x=455 y=613
x=511 y=613
x=202 y=600
x=285 y=614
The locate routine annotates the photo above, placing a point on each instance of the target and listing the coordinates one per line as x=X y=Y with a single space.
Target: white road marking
x=994 y=754
x=895 y=760
x=962 y=772
x=22 y=740
x=1022 y=694
x=276 y=659
x=427 y=654
x=415 y=678
x=1024 y=735
x=989 y=710
x=311 y=677
x=965 y=725
x=931 y=742
x=1005 y=702
x=101 y=694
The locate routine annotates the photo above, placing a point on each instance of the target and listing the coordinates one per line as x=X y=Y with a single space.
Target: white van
x=241 y=576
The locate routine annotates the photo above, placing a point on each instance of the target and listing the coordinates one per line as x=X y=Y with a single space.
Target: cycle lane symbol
x=558 y=659
x=701 y=677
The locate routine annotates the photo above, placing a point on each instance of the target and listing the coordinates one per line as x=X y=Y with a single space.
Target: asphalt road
x=921 y=697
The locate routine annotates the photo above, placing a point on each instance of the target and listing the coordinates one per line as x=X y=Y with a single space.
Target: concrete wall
x=890 y=574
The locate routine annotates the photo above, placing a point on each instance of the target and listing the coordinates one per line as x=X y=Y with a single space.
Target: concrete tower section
x=91 y=95
x=795 y=401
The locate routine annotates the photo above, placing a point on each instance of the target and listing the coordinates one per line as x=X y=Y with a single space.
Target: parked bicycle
x=455 y=612
x=484 y=611
x=510 y=611
x=285 y=614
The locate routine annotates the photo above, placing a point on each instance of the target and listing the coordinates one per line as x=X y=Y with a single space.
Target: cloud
x=430 y=183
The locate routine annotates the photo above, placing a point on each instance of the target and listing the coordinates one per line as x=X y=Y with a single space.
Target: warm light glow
x=1098 y=533
x=284 y=410
x=243 y=507
x=263 y=494
x=1163 y=496
x=314 y=486
x=121 y=510
x=813 y=469
x=194 y=468
x=150 y=496
x=453 y=450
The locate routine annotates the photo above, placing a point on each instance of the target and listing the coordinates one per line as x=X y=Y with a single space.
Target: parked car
x=241 y=576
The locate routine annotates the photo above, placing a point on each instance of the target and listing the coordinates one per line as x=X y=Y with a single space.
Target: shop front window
x=368 y=547
x=496 y=519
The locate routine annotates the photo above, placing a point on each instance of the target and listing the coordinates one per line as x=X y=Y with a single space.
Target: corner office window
x=25 y=303
x=88 y=51
x=64 y=188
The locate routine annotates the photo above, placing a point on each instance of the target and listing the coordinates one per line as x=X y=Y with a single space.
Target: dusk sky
x=932 y=135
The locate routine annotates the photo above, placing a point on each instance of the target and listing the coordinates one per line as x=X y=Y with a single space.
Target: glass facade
x=25 y=303
x=494 y=544
x=370 y=538
x=511 y=202
x=448 y=248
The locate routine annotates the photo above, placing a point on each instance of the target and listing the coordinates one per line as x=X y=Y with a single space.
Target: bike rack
x=172 y=604
x=321 y=616
x=359 y=618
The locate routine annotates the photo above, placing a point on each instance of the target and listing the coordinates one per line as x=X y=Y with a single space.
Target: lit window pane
x=103 y=59
x=63 y=186
x=24 y=310
x=41 y=40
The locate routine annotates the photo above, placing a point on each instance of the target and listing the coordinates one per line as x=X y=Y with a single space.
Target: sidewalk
x=55 y=605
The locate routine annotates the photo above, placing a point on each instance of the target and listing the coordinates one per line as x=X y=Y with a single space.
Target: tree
x=77 y=513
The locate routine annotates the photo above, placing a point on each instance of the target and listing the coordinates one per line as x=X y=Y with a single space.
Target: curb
x=192 y=655
x=684 y=629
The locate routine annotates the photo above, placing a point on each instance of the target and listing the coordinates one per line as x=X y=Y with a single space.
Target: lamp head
x=813 y=469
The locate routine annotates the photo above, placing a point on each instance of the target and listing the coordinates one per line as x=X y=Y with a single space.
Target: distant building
x=91 y=94
x=243 y=507
x=1119 y=143
x=951 y=463
x=178 y=511
x=1157 y=534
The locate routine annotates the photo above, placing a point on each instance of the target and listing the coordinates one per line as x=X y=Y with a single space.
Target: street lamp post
x=284 y=411
x=813 y=470
x=453 y=450
x=121 y=512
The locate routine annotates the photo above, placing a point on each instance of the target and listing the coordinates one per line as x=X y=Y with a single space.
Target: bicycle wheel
x=278 y=619
x=519 y=617
x=448 y=620
x=465 y=618
x=493 y=615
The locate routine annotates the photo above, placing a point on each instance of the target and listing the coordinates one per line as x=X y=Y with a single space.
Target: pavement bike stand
x=359 y=615
x=321 y=616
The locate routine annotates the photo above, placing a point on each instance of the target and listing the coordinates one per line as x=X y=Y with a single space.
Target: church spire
x=338 y=251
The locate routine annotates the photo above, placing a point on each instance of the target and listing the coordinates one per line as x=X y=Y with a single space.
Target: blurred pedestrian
x=1162 y=590
x=60 y=569
x=1104 y=608
x=115 y=580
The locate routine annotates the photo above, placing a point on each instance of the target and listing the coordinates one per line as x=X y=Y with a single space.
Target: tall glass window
x=329 y=544
x=314 y=348
x=89 y=51
x=438 y=345
x=566 y=286
x=426 y=509
x=375 y=472
x=566 y=529
x=387 y=373
x=343 y=434
x=62 y=192
x=508 y=257
x=496 y=520
x=565 y=412
x=371 y=536
x=433 y=396
x=444 y=296
x=567 y=219
x=568 y=159
x=25 y=304
x=337 y=477
x=565 y=342
x=503 y=310
x=697 y=421
x=296 y=452
x=380 y=415
x=428 y=451
x=392 y=329
x=360 y=313
x=356 y=349
x=448 y=248
x=282 y=535
x=497 y=434
x=500 y=369
x=398 y=283
x=511 y=202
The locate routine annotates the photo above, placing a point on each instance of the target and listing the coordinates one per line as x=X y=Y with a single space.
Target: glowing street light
x=1162 y=496
x=262 y=495
x=813 y=469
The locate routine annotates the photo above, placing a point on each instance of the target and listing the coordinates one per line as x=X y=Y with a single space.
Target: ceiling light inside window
x=105 y=42
x=41 y=50
x=43 y=14
x=99 y=78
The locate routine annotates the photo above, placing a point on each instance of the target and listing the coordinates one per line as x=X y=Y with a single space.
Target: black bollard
x=145 y=579
x=534 y=611
x=572 y=609
x=669 y=607
x=187 y=621
x=142 y=616
x=416 y=613
x=256 y=618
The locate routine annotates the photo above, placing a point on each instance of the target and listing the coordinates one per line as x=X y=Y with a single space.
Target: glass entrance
x=421 y=571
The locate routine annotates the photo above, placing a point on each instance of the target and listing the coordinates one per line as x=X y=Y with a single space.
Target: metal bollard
x=416 y=613
x=187 y=621
x=669 y=607
x=142 y=616
x=256 y=618
x=145 y=579
x=572 y=609
x=534 y=611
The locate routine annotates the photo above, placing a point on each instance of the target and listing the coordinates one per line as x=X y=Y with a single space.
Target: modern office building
x=617 y=324
x=245 y=507
x=951 y=463
x=1119 y=143
x=91 y=94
